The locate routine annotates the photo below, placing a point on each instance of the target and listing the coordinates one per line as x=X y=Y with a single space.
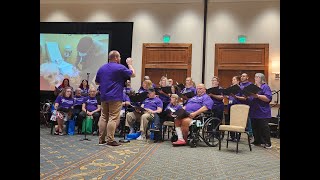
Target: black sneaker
x=113 y=143
x=267 y=146
x=102 y=143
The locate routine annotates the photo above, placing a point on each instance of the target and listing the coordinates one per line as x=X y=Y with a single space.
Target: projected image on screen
x=71 y=56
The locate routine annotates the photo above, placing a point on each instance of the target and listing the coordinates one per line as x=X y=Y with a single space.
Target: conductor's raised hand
x=129 y=61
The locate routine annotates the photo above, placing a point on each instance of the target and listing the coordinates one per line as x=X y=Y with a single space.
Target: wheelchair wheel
x=210 y=131
x=193 y=143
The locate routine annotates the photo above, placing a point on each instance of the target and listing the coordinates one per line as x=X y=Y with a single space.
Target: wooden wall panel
x=178 y=75
x=233 y=59
x=172 y=60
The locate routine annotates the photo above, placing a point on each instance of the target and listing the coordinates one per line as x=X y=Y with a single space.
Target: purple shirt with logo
x=111 y=76
x=84 y=91
x=127 y=90
x=64 y=102
x=258 y=108
x=196 y=102
x=176 y=107
x=92 y=103
x=152 y=103
x=79 y=100
x=186 y=90
x=142 y=90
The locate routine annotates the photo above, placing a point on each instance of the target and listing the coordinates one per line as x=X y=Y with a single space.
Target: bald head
x=201 y=89
x=114 y=56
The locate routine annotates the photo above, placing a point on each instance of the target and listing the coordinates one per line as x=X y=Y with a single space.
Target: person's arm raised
x=129 y=62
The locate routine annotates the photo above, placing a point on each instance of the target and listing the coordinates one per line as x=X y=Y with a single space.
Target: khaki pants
x=133 y=117
x=110 y=117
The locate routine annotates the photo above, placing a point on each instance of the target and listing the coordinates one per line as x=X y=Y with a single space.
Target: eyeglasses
x=68 y=91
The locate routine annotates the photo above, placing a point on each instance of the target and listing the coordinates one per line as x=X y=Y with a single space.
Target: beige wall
x=259 y=21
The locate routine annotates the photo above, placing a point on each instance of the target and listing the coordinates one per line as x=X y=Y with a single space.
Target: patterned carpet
x=65 y=157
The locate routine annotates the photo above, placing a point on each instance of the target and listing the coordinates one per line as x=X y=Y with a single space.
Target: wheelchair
x=205 y=127
x=45 y=113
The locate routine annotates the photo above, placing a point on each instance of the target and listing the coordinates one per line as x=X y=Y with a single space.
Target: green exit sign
x=166 y=38
x=242 y=39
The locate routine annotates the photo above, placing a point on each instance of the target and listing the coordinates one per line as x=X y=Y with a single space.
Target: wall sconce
x=276 y=69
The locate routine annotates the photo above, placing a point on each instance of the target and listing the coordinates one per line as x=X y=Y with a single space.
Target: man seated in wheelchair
x=194 y=107
x=148 y=111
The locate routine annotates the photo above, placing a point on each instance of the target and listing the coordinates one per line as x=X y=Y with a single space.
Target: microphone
x=88 y=74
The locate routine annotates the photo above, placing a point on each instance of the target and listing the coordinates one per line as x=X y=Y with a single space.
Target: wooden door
x=234 y=59
x=172 y=60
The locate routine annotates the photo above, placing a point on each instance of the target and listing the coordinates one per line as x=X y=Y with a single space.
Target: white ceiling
x=140 y=1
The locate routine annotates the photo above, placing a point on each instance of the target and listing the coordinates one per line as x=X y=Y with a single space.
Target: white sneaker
x=141 y=138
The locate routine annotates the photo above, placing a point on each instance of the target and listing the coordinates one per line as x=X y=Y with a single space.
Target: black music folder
x=188 y=94
x=235 y=89
x=181 y=86
x=139 y=97
x=137 y=108
x=166 y=90
x=215 y=91
x=251 y=89
x=181 y=113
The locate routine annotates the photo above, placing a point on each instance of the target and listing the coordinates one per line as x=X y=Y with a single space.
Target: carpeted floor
x=65 y=157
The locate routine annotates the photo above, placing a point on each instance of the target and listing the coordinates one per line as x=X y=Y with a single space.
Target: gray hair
x=262 y=77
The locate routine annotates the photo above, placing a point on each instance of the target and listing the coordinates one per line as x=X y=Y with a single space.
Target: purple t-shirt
x=84 y=91
x=218 y=104
x=243 y=85
x=64 y=102
x=196 y=102
x=186 y=90
x=142 y=90
x=233 y=100
x=152 y=103
x=92 y=103
x=176 y=107
x=164 y=98
x=79 y=100
x=111 y=76
x=258 y=108
x=125 y=98
x=127 y=90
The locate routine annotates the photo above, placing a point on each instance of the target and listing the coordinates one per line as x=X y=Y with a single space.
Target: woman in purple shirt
x=84 y=86
x=260 y=112
x=63 y=105
x=91 y=107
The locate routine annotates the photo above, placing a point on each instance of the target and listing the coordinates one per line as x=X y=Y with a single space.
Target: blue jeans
x=249 y=127
x=156 y=120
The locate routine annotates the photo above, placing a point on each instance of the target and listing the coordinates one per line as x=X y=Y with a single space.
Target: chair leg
x=168 y=131
x=220 y=141
x=164 y=128
x=249 y=141
x=238 y=138
x=228 y=138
